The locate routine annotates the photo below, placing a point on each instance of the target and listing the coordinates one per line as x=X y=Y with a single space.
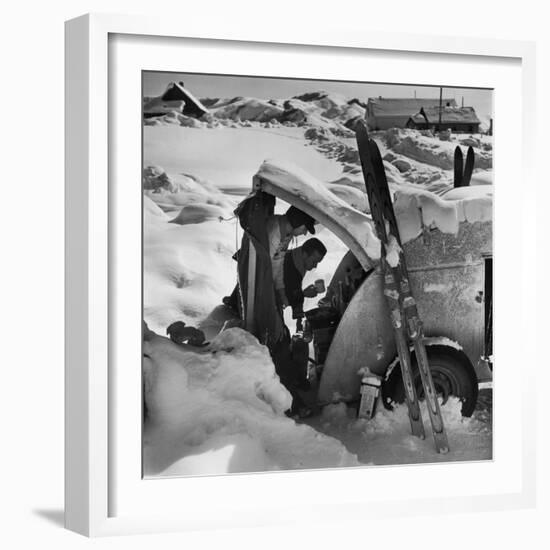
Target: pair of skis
x=406 y=323
x=463 y=172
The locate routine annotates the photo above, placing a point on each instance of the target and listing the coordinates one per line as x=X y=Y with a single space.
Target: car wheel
x=452 y=374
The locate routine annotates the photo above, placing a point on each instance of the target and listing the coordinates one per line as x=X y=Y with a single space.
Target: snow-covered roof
x=466 y=115
x=176 y=90
x=295 y=186
x=391 y=106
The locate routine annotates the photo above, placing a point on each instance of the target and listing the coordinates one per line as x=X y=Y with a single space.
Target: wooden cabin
x=389 y=112
x=175 y=98
x=456 y=119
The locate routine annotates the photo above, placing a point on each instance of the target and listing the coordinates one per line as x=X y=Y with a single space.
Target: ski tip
x=469 y=168
x=458 y=167
x=361 y=128
x=375 y=151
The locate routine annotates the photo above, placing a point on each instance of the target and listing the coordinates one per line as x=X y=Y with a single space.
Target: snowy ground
x=387 y=439
x=221 y=409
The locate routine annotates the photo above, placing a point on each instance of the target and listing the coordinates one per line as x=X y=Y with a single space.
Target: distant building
x=456 y=119
x=175 y=98
x=388 y=112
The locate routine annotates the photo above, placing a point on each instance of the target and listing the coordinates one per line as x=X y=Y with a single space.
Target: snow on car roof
x=418 y=208
x=295 y=186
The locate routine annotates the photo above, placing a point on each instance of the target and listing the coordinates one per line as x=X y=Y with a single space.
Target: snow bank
x=198 y=213
x=172 y=191
x=330 y=105
x=482 y=177
x=156 y=179
x=187 y=269
x=152 y=210
x=220 y=410
x=411 y=158
x=248 y=108
x=187 y=261
x=423 y=148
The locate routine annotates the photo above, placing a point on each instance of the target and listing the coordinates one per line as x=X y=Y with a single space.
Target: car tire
x=452 y=374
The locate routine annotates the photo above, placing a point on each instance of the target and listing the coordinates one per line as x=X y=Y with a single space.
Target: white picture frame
x=105 y=494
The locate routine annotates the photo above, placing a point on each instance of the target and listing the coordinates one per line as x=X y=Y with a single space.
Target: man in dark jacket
x=291 y=356
x=296 y=262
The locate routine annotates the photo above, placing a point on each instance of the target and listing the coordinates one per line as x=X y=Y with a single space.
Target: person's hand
x=281 y=298
x=310 y=291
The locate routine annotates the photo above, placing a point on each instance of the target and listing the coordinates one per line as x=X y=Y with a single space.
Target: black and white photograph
x=275 y=275
x=317 y=274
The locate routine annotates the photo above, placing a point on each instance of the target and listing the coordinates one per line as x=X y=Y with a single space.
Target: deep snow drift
x=220 y=408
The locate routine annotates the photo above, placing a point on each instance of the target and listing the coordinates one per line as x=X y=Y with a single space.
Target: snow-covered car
x=448 y=248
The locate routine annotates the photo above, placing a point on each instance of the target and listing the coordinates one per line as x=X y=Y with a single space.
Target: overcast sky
x=202 y=86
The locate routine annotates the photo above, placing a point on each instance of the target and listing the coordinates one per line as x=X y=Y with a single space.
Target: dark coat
x=268 y=322
x=293 y=286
